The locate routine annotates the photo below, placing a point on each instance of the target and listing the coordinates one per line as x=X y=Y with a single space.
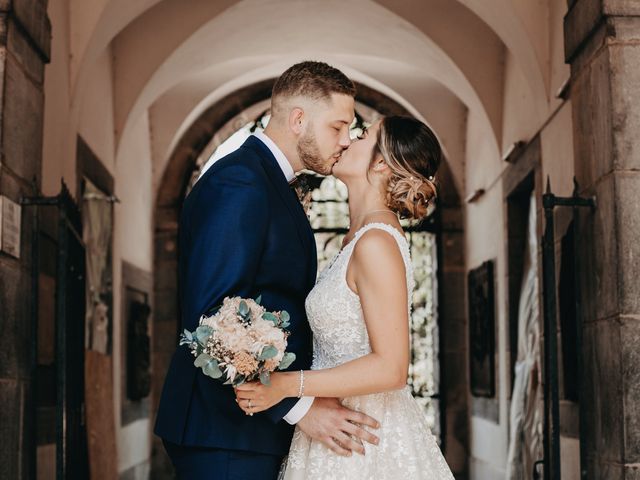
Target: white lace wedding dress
x=407 y=448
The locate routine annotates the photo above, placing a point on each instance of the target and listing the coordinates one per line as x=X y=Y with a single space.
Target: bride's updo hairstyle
x=413 y=153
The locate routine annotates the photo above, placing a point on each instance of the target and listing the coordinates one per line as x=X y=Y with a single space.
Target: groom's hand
x=338 y=427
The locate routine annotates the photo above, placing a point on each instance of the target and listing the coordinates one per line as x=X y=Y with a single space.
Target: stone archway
x=169 y=198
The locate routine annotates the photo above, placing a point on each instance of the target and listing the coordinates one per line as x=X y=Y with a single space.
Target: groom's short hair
x=315 y=80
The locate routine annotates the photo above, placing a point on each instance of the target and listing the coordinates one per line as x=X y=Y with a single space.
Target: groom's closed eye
x=363 y=134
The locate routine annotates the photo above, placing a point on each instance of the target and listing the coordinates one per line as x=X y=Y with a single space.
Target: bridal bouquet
x=240 y=342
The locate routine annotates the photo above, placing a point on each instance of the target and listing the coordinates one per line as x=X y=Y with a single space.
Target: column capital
x=585 y=17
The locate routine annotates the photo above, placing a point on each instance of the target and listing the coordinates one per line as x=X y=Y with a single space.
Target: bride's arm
x=378 y=272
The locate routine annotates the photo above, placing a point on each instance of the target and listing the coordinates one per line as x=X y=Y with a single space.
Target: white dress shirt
x=286 y=167
x=301 y=408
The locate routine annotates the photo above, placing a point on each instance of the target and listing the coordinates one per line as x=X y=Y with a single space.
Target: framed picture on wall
x=482 y=330
x=135 y=375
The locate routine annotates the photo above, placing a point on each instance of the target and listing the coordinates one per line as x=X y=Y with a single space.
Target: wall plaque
x=10 y=217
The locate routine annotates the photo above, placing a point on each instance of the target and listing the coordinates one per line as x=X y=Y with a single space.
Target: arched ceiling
x=178 y=57
x=519 y=25
x=254 y=34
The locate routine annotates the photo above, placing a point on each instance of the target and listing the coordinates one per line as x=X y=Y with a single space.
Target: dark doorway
x=59 y=281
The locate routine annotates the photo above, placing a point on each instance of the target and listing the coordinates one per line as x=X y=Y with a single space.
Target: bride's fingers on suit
x=245 y=396
x=253 y=406
x=255 y=400
x=247 y=387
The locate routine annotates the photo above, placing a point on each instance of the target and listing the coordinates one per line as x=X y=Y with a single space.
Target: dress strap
x=401 y=240
x=403 y=244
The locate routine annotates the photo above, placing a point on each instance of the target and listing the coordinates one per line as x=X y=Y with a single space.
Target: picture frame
x=481 y=297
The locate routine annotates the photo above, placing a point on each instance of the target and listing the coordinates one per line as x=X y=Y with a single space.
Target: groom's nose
x=345 y=139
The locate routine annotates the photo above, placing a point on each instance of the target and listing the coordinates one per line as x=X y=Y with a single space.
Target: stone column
x=25 y=34
x=454 y=382
x=602 y=40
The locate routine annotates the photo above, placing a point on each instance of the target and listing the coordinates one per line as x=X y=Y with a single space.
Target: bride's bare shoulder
x=377 y=246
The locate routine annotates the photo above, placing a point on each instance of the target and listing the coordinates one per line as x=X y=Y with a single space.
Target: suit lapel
x=289 y=198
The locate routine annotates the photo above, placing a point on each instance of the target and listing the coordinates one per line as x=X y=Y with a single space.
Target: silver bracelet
x=301 y=390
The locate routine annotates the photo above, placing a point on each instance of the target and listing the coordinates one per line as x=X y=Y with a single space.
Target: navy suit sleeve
x=227 y=230
x=279 y=410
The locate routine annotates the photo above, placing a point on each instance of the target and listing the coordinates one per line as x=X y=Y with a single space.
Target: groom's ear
x=296 y=120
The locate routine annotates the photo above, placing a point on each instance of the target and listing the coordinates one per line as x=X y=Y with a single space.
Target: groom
x=243 y=232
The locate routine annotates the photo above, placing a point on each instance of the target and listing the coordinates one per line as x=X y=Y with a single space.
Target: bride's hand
x=255 y=397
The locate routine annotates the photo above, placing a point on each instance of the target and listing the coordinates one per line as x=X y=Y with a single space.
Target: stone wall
x=602 y=39
x=25 y=34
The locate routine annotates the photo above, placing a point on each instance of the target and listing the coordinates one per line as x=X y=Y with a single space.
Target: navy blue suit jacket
x=242 y=232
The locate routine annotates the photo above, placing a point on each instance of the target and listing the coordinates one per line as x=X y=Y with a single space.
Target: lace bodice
x=334 y=310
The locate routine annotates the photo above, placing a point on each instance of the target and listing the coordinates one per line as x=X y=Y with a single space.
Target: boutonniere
x=303 y=189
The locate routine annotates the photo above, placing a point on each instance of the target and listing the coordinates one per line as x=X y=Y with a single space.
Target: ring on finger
x=250 y=407
x=342 y=449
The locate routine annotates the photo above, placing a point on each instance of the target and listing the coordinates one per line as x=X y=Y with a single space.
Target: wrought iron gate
x=552 y=459
x=71 y=438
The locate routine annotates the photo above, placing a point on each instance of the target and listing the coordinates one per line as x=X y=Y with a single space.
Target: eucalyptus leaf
x=188 y=334
x=259 y=299
x=243 y=309
x=268 y=352
x=265 y=378
x=203 y=332
x=212 y=369
x=184 y=340
x=284 y=317
x=239 y=380
x=270 y=317
x=202 y=360
x=287 y=360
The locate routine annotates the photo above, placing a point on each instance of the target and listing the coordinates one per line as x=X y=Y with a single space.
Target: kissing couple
x=342 y=409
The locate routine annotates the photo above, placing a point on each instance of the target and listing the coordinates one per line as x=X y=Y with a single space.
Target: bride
x=359 y=314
